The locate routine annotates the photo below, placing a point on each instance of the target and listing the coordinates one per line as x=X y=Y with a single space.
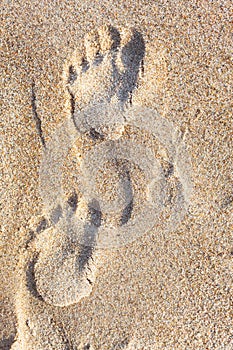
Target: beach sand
x=167 y=289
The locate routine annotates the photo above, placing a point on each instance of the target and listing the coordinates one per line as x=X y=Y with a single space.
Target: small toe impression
x=92 y=45
x=72 y=75
x=109 y=38
x=72 y=68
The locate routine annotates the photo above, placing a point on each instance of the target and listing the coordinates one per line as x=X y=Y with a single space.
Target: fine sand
x=116 y=176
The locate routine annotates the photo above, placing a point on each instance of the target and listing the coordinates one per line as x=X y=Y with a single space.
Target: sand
x=153 y=81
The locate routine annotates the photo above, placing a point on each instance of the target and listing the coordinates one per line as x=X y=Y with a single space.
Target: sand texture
x=116 y=195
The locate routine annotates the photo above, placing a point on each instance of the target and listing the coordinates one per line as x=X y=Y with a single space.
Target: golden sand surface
x=162 y=291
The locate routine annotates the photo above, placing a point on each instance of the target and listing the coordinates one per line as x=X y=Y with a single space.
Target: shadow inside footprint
x=73 y=201
x=90 y=234
x=132 y=55
x=31 y=280
x=6 y=343
x=128 y=190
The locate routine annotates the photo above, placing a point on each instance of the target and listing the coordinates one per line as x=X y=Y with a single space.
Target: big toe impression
x=109 y=38
x=92 y=45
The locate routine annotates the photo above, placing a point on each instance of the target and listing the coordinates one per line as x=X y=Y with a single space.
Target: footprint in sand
x=104 y=77
x=132 y=170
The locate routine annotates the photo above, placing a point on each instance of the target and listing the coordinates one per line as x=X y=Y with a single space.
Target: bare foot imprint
x=138 y=166
x=133 y=170
x=65 y=272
